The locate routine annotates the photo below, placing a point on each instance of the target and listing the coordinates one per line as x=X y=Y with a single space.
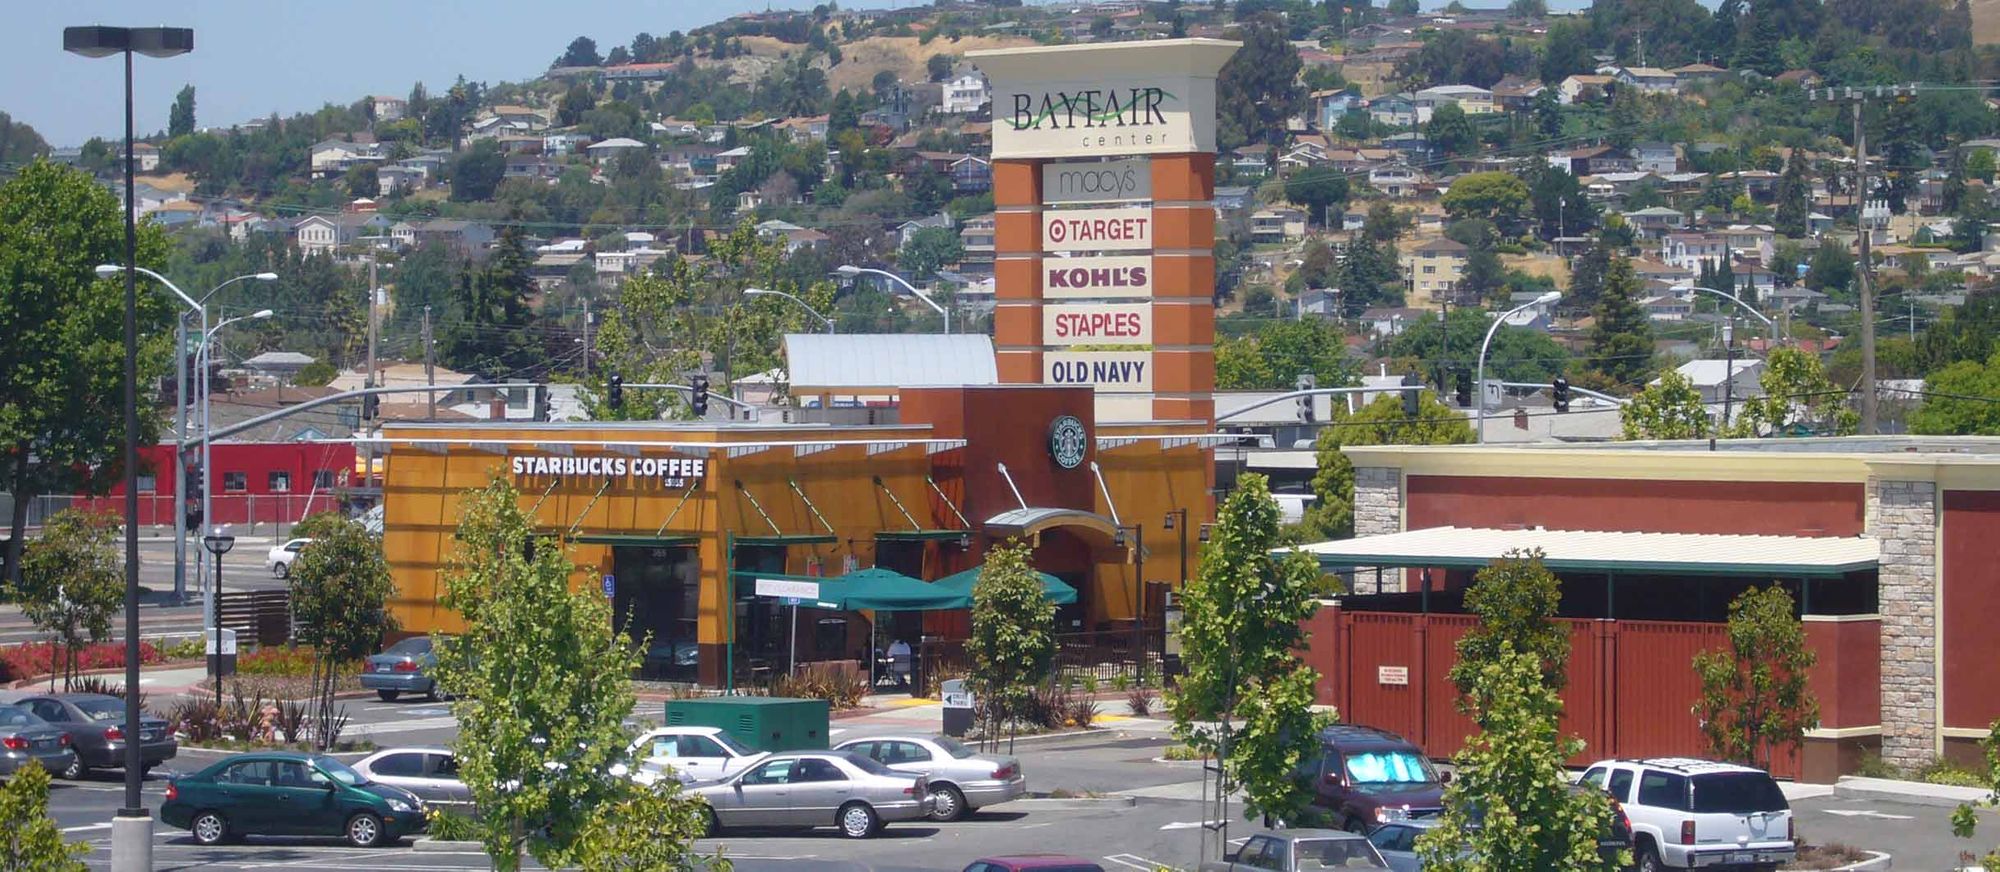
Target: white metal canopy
x=1609 y=552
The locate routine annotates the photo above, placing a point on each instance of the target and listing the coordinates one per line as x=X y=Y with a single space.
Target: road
x=243 y=568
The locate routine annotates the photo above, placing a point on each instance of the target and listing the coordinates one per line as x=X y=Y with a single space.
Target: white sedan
x=690 y=754
x=281 y=557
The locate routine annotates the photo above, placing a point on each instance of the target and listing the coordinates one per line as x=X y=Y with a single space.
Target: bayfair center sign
x=1104 y=179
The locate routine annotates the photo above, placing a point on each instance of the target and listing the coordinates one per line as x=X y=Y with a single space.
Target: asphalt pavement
x=243 y=568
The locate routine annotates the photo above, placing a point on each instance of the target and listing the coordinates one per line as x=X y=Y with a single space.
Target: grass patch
x=1181 y=753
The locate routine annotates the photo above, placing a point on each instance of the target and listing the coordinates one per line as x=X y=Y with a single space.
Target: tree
x=1831 y=269
x=1754 y=700
x=1450 y=131
x=1955 y=402
x=1381 y=422
x=339 y=585
x=1246 y=698
x=1515 y=598
x=1511 y=807
x=1494 y=196
x=1979 y=164
x=1797 y=395
x=71 y=582
x=1012 y=645
x=180 y=119
x=539 y=680
x=1528 y=8
x=1483 y=277
x=61 y=369
x=1278 y=352
x=938 y=67
x=1965 y=818
x=1621 y=342
x=1565 y=52
x=579 y=101
x=1670 y=408
x=1402 y=7
x=476 y=173
x=648 y=829
x=582 y=52
x=1794 y=198
x=929 y=250
x=1259 y=88
x=34 y=842
x=1561 y=207
x=1317 y=188
x=490 y=331
x=20 y=143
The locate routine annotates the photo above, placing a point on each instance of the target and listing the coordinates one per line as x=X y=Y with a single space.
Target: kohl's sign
x=668 y=471
x=1091 y=277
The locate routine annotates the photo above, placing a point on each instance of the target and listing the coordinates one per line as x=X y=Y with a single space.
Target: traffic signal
x=1306 y=382
x=617 y=393
x=1413 y=394
x=541 y=402
x=1463 y=388
x=191 y=501
x=371 y=407
x=698 y=394
x=1560 y=392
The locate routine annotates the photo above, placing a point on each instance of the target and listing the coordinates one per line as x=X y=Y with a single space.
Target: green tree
x=1831 y=269
x=1259 y=88
x=1511 y=807
x=1754 y=699
x=1246 y=698
x=1012 y=645
x=491 y=331
x=1565 y=52
x=648 y=829
x=938 y=67
x=315 y=374
x=72 y=582
x=339 y=586
x=1797 y=394
x=1450 y=131
x=476 y=173
x=1957 y=400
x=928 y=251
x=1794 y=198
x=20 y=143
x=34 y=843
x=1979 y=165
x=180 y=119
x=1483 y=276
x=1318 y=188
x=1621 y=342
x=582 y=52
x=1381 y=422
x=539 y=680
x=1494 y=196
x=1560 y=205
x=1528 y=8
x=62 y=366
x=1278 y=352
x=1670 y=408
x=1515 y=598
x=1516 y=354
x=1965 y=818
x=579 y=101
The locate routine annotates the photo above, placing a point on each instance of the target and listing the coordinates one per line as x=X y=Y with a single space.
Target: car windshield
x=1737 y=793
x=1389 y=767
x=412 y=645
x=101 y=709
x=954 y=747
x=735 y=747
x=339 y=770
x=1334 y=854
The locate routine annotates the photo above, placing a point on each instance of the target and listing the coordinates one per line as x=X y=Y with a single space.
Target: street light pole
x=132 y=828
x=208 y=478
x=1480 y=382
x=760 y=292
x=1770 y=325
x=851 y=270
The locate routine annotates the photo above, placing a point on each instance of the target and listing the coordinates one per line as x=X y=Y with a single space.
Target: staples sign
x=1104 y=324
x=1079 y=278
x=1097 y=230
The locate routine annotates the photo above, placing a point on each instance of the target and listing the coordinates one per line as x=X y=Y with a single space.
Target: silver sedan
x=961 y=780
x=816 y=789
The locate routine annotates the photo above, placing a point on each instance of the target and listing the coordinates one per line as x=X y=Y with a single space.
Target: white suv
x=1689 y=814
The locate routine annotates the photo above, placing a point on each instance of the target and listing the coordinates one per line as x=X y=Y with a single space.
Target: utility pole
x=374 y=292
x=586 y=338
x=430 y=364
x=1858 y=97
x=1728 y=368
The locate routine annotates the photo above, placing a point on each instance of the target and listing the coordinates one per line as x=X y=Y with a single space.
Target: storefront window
x=235 y=482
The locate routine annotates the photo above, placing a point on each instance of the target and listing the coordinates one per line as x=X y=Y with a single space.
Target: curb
x=1077 y=803
x=1878 y=861
x=428 y=845
x=1912 y=792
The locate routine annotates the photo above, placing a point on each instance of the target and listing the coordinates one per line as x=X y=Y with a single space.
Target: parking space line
x=1134 y=861
x=86 y=828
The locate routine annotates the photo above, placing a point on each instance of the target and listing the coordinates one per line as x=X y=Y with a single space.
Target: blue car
x=404 y=667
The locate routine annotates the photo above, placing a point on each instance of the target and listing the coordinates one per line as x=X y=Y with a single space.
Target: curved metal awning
x=1608 y=552
x=1093 y=527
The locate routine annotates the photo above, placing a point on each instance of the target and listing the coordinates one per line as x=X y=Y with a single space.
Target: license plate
x=1742 y=857
x=45 y=743
x=150 y=735
x=382 y=667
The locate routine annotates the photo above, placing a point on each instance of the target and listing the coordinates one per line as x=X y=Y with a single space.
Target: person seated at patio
x=900 y=662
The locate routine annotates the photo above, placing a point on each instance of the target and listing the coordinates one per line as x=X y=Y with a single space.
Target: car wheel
x=1649 y=858
x=364 y=830
x=1355 y=825
x=947 y=803
x=388 y=695
x=714 y=827
x=282 y=570
x=858 y=821
x=76 y=770
x=209 y=828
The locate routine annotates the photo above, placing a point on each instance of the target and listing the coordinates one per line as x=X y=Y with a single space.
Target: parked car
x=816 y=789
x=690 y=754
x=962 y=781
x=1033 y=863
x=289 y=794
x=404 y=667
x=1364 y=777
x=1397 y=842
x=1686 y=813
x=1299 y=851
x=430 y=773
x=280 y=557
x=95 y=724
x=24 y=737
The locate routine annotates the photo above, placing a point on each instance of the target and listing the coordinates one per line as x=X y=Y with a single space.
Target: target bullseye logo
x=1058 y=231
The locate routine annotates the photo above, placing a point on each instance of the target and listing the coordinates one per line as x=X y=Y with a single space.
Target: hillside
x=1985 y=22
x=861 y=59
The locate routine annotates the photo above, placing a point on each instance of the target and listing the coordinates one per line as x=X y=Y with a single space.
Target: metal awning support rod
x=898 y=504
x=962 y=522
x=759 y=507
x=1106 y=491
x=537 y=507
x=1012 y=487
x=675 y=513
x=809 y=503
x=588 y=506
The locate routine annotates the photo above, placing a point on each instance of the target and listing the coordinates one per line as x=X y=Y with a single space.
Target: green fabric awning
x=874 y=588
x=1057 y=590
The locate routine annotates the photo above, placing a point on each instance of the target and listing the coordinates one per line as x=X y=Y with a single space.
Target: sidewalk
x=1913 y=792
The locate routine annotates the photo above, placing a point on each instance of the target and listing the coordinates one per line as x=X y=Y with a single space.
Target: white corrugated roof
x=889 y=361
x=1581 y=550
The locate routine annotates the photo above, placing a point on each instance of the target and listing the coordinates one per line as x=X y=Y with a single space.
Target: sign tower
x=1103 y=182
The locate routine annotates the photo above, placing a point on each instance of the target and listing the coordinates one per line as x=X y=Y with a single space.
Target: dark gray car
x=24 y=737
x=404 y=667
x=95 y=724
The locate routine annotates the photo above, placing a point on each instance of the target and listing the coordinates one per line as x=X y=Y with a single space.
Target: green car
x=287 y=794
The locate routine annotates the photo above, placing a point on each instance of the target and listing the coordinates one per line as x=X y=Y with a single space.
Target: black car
x=95 y=724
x=1364 y=777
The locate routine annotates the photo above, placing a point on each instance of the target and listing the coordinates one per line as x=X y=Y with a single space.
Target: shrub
x=1082 y=712
x=1873 y=766
x=1941 y=771
x=35 y=659
x=1140 y=701
x=450 y=826
x=284 y=660
x=1182 y=753
x=840 y=688
x=184 y=648
x=196 y=717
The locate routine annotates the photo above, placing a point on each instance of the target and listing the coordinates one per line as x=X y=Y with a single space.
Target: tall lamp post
x=760 y=292
x=1768 y=323
x=1176 y=520
x=132 y=828
x=850 y=270
x=218 y=543
x=1480 y=382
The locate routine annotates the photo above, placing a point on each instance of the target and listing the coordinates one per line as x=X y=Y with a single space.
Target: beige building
x=1432 y=270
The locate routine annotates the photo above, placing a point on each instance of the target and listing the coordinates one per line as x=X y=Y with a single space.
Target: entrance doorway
x=762 y=623
x=655 y=601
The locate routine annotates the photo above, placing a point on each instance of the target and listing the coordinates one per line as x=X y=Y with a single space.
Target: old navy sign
x=1107 y=371
x=1101 y=324
x=1113 y=181
x=1097 y=230
x=1093 y=277
x=669 y=471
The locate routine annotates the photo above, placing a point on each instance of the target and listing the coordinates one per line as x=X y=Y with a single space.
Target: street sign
x=791 y=601
x=610 y=586
x=786 y=588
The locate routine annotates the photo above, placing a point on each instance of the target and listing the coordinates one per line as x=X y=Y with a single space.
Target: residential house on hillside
x=1648 y=80
x=145 y=156
x=603 y=153
x=1394 y=110
x=1656 y=157
x=970 y=174
x=1654 y=222
x=908 y=230
x=966 y=92
x=804 y=128
x=976 y=238
x=521 y=117
x=1592 y=160
x=1584 y=89
x=1516 y=93
x=323 y=234
x=1692 y=249
x=1694 y=73
x=332 y=157
x=1329 y=106
x=388 y=110
x=394 y=177
x=1667 y=307
x=1395 y=180
x=1671 y=275
x=639 y=72
x=465 y=238
x=1432 y=270
x=691 y=158
x=1709 y=377
x=532 y=166
x=558 y=143
x=1277 y=225
x=1471 y=99
x=1756 y=241
x=1230 y=198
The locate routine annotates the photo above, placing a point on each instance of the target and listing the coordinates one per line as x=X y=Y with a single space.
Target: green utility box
x=765 y=723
